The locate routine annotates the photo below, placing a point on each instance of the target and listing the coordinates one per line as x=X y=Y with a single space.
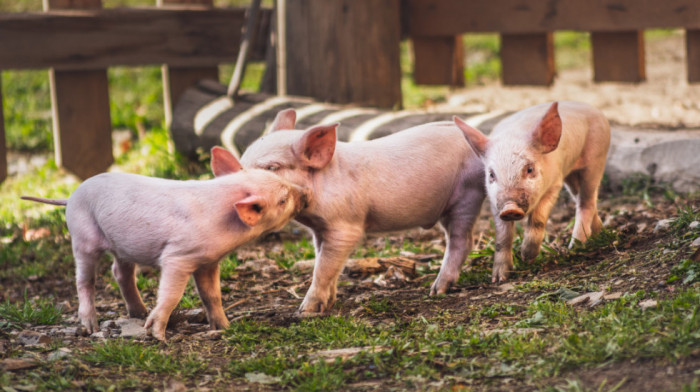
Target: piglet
x=183 y=227
x=528 y=158
x=416 y=177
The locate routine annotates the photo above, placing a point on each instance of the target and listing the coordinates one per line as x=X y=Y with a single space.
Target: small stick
x=233 y=305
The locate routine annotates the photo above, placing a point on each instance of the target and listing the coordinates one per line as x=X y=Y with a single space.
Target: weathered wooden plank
x=177 y=79
x=73 y=4
x=438 y=60
x=363 y=66
x=81 y=118
x=90 y=39
x=618 y=56
x=692 y=42
x=527 y=59
x=451 y=17
x=82 y=126
x=3 y=146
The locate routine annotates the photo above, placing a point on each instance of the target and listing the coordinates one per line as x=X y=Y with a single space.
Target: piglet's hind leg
x=209 y=288
x=125 y=274
x=85 y=263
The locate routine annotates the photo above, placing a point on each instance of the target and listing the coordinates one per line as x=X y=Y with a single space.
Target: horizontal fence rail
x=88 y=39
x=451 y=17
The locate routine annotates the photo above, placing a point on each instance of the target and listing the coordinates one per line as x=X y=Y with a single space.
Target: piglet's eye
x=492 y=176
x=272 y=167
x=530 y=169
x=282 y=202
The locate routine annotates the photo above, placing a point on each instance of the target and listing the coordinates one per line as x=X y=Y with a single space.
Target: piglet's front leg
x=209 y=288
x=503 y=258
x=173 y=281
x=332 y=250
x=536 y=224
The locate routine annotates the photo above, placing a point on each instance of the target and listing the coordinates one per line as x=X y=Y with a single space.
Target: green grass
x=293 y=252
x=42 y=311
x=136 y=356
x=432 y=349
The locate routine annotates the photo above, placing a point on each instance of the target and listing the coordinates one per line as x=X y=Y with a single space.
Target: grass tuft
x=42 y=311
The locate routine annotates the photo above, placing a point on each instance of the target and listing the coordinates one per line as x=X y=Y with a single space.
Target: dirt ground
x=271 y=294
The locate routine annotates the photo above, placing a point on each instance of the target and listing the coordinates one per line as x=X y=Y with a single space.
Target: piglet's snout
x=512 y=212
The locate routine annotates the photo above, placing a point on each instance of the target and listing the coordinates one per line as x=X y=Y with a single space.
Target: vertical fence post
x=438 y=60
x=344 y=51
x=618 y=56
x=177 y=79
x=3 y=146
x=80 y=105
x=527 y=59
x=692 y=46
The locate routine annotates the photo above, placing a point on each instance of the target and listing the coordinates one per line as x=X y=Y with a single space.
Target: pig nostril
x=512 y=215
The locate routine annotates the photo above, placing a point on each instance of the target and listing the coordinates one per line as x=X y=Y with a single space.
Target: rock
x=344 y=353
x=196 y=316
x=11 y=364
x=31 y=338
x=566 y=294
x=513 y=331
x=132 y=328
x=108 y=324
x=175 y=386
x=73 y=331
x=696 y=243
x=694 y=225
x=61 y=353
x=505 y=287
x=592 y=298
x=262 y=378
x=395 y=274
x=663 y=225
x=303 y=266
x=213 y=335
x=380 y=281
x=99 y=335
x=262 y=267
x=612 y=296
x=648 y=303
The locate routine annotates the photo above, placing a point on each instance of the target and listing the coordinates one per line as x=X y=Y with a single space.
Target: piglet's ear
x=475 y=138
x=316 y=147
x=286 y=119
x=545 y=137
x=223 y=162
x=251 y=209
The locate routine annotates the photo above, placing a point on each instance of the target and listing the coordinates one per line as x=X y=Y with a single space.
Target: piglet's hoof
x=312 y=308
x=157 y=328
x=442 y=284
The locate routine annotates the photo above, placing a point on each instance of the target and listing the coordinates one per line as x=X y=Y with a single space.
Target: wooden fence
x=342 y=51
x=77 y=40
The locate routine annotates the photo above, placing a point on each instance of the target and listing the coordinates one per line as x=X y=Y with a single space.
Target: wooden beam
x=3 y=145
x=692 y=42
x=363 y=65
x=94 y=39
x=438 y=60
x=527 y=59
x=177 y=79
x=618 y=57
x=450 y=17
x=81 y=118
